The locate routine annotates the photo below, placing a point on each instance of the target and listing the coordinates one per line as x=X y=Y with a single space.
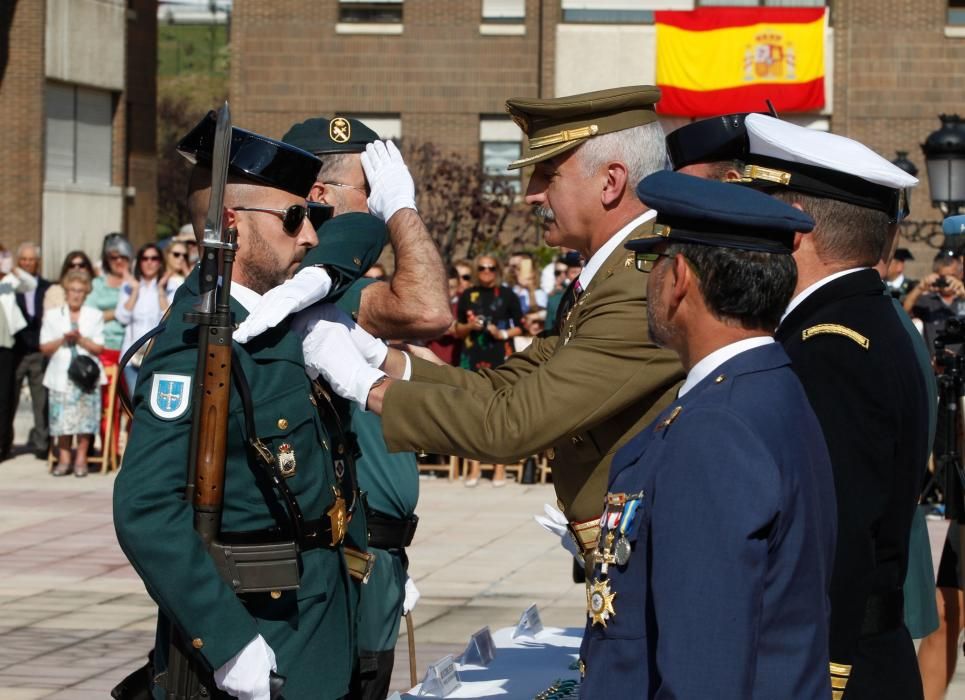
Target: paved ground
x=74 y=618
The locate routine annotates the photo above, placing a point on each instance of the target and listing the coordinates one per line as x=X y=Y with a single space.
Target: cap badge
x=756 y=172
x=339 y=130
x=564 y=136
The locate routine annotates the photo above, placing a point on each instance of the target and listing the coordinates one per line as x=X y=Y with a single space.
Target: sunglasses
x=78 y=264
x=175 y=254
x=561 y=271
x=645 y=262
x=484 y=268
x=293 y=216
x=113 y=258
x=150 y=258
x=465 y=277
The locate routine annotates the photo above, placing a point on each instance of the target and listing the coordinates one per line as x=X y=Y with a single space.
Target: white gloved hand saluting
x=301 y=291
x=245 y=675
x=555 y=522
x=389 y=180
x=330 y=352
x=372 y=349
x=412 y=596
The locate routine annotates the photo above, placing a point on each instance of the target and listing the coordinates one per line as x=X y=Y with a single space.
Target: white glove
x=389 y=179
x=372 y=349
x=302 y=290
x=412 y=596
x=555 y=523
x=330 y=352
x=6 y=263
x=245 y=675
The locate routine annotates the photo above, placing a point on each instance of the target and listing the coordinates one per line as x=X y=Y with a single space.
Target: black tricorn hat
x=254 y=157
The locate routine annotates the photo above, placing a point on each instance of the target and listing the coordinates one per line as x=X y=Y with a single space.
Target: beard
x=263 y=268
x=657 y=325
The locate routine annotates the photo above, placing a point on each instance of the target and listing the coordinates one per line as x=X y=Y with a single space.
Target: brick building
x=77 y=123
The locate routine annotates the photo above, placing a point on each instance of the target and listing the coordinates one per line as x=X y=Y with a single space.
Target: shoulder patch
x=170 y=395
x=835 y=329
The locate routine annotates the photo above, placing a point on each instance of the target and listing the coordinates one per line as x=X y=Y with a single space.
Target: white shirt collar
x=796 y=301
x=248 y=298
x=718 y=357
x=599 y=257
x=896 y=282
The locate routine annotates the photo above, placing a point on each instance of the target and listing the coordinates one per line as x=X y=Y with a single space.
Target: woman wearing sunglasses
x=488 y=316
x=178 y=264
x=142 y=302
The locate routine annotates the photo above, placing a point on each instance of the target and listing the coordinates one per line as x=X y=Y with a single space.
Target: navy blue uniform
x=724 y=594
x=860 y=371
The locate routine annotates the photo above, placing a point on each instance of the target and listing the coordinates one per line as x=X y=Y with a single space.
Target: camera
x=941 y=282
x=486 y=320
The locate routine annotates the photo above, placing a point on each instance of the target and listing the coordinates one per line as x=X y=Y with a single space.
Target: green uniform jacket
x=308 y=629
x=580 y=393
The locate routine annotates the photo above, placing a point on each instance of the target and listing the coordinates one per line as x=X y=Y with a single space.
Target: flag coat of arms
x=720 y=60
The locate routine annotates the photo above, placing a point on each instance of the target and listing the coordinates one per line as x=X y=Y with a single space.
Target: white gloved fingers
x=304 y=289
x=379 y=151
x=555 y=514
x=412 y=596
x=368 y=167
x=550 y=526
x=393 y=151
x=245 y=675
x=330 y=351
x=372 y=349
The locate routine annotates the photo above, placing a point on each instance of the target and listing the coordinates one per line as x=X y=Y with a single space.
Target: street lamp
x=901 y=161
x=945 y=161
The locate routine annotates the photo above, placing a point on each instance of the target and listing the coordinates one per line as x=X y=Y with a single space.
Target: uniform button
x=551 y=453
x=282 y=424
x=576 y=440
x=719 y=378
x=197 y=642
x=276 y=595
x=357 y=261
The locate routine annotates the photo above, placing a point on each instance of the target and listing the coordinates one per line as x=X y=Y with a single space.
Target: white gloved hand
x=302 y=290
x=245 y=675
x=372 y=349
x=555 y=523
x=389 y=180
x=6 y=263
x=412 y=596
x=330 y=352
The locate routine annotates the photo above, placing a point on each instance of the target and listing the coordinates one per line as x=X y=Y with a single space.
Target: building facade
x=77 y=103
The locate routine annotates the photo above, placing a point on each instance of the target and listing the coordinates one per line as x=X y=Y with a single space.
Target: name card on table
x=481 y=649
x=529 y=623
x=441 y=678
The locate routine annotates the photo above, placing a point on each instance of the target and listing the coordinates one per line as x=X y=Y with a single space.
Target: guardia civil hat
x=708 y=141
x=338 y=135
x=557 y=125
x=707 y=212
x=782 y=155
x=903 y=254
x=254 y=157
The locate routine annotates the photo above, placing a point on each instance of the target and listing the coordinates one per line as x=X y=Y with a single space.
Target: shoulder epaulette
x=836 y=329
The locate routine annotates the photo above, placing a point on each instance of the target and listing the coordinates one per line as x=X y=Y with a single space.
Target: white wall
x=85 y=42
x=78 y=218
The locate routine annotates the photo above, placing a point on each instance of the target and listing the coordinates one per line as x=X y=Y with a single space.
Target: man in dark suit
x=714 y=558
x=31 y=363
x=860 y=371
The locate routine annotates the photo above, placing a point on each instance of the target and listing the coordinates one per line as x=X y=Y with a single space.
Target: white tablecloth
x=522 y=667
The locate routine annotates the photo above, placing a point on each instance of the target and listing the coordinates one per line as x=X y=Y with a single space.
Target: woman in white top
x=142 y=302
x=72 y=329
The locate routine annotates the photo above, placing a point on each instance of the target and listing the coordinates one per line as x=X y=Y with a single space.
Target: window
x=500 y=143
x=503 y=11
x=956 y=12
x=384 y=12
x=78 y=137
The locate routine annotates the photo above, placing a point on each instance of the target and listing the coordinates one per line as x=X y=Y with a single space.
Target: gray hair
x=333 y=165
x=643 y=149
x=23 y=247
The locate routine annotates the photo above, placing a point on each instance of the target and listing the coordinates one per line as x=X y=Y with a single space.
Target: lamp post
x=945 y=162
x=901 y=161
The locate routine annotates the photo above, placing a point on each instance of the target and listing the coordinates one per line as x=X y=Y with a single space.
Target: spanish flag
x=720 y=60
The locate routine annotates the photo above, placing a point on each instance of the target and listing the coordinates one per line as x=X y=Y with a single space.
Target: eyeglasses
x=77 y=264
x=484 y=268
x=645 y=262
x=115 y=258
x=176 y=254
x=364 y=191
x=465 y=277
x=150 y=258
x=293 y=216
x=560 y=271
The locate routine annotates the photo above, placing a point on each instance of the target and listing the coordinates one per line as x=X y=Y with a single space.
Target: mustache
x=544 y=213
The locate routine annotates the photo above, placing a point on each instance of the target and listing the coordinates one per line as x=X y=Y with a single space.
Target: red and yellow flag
x=719 y=60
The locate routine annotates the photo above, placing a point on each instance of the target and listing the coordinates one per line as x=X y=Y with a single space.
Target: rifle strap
x=345 y=450
x=263 y=455
x=131 y=352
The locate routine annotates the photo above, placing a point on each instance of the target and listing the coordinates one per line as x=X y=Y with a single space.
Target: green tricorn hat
x=557 y=125
x=338 y=135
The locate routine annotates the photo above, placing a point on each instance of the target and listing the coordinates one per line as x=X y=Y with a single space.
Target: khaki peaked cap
x=560 y=124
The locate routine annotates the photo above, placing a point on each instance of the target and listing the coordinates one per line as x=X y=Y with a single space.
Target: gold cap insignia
x=339 y=130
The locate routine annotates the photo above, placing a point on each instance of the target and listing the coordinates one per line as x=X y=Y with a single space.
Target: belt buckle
x=337 y=516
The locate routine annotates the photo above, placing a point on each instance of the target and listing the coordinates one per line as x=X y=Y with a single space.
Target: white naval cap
x=818 y=163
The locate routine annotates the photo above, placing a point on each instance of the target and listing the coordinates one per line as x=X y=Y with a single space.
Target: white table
x=522 y=667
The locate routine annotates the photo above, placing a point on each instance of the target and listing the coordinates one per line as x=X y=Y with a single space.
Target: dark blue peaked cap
x=707 y=212
x=254 y=157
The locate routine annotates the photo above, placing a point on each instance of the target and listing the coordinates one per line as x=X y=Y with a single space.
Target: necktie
x=572 y=294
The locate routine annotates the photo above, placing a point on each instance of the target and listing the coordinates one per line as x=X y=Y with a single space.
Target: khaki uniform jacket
x=580 y=395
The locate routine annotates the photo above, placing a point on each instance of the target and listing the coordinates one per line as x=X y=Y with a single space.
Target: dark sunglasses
x=561 y=271
x=75 y=265
x=483 y=268
x=465 y=277
x=175 y=254
x=293 y=216
x=151 y=258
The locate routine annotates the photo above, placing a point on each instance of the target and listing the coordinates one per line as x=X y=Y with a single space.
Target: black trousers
x=885 y=668
x=8 y=368
x=374 y=675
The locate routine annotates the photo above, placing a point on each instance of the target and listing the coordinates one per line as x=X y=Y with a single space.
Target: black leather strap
x=315 y=533
x=386 y=532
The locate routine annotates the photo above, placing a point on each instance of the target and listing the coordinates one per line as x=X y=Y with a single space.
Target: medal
x=599 y=602
x=621 y=554
x=286 y=460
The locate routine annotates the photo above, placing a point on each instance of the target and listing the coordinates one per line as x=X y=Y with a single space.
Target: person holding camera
x=68 y=332
x=938 y=297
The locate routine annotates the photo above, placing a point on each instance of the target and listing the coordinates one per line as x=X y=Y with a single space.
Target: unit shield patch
x=170 y=395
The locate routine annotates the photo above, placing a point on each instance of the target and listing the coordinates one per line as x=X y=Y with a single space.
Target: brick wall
x=21 y=117
x=440 y=74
